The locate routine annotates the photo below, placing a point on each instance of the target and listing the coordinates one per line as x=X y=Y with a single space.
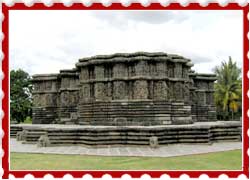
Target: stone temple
x=125 y=89
x=133 y=98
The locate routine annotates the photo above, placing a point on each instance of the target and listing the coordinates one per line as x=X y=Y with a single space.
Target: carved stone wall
x=202 y=90
x=55 y=96
x=68 y=93
x=45 y=98
x=134 y=89
x=125 y=89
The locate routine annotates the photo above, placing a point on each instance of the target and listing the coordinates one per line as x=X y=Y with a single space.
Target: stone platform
x=61 y=135
x=162 y=151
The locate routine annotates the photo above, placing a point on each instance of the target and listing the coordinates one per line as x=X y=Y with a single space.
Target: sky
x=47 y=41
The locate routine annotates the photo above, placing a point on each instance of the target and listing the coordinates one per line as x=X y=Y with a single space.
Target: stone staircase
x=14 y=129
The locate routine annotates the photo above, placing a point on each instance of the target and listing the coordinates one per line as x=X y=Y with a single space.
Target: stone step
x=87 y=135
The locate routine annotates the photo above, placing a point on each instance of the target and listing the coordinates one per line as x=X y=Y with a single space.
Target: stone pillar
x=178 y=70
x=84 y=75
x=185 y=72
x=178 y=91
x=65 y=98
x=171 y=94
x=170 y=69
x=85 y=94
x=109 y=86
x=140 y=89
x=99 y=72
x=54 y=86
x=131 y=69
x=130 y=85
x=186 y=93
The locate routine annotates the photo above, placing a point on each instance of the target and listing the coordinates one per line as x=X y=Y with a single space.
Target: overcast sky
x=47 y=41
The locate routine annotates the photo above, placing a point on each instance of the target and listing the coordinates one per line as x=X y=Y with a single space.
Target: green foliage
x=228 y=89
x=20 y=95
x=28 y=120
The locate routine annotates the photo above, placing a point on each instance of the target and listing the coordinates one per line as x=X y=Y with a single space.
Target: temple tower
x=45 y=98
x=202 y=97
x=134 y=89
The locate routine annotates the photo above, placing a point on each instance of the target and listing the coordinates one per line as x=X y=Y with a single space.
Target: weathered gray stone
x=153 y=142
x=151 y=84
x=21 y=135
x=199 y=132
x=43 y=141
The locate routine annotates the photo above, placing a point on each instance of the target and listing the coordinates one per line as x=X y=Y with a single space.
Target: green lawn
x=213 y=161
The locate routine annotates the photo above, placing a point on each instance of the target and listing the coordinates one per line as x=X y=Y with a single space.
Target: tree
x=20 y=95
x=228 y=88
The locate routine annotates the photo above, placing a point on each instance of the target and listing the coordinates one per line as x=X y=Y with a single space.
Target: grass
x=230 y=160
x=27 y=120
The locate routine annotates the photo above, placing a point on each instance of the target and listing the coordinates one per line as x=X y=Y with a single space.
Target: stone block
x=153 y=142
x=21 y=136
x=43 y=141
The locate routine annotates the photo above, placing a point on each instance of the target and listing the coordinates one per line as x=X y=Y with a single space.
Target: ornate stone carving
x=140 y=89
x=65 y=98
x=101 y=91
x=170 y=69
x=160 y=90
x=84 y=74
x=193 y=97
x=141 y=68
x=161 y=69
x=178 y=70
x=178 y=91
x=120 y=71
x=99 y=72
x=147 y=87
x=120 y=90
x=85 y=93
x=48 y=85
x=186 y=92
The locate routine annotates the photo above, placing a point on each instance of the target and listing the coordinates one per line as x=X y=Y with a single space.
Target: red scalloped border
x=119 y=6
